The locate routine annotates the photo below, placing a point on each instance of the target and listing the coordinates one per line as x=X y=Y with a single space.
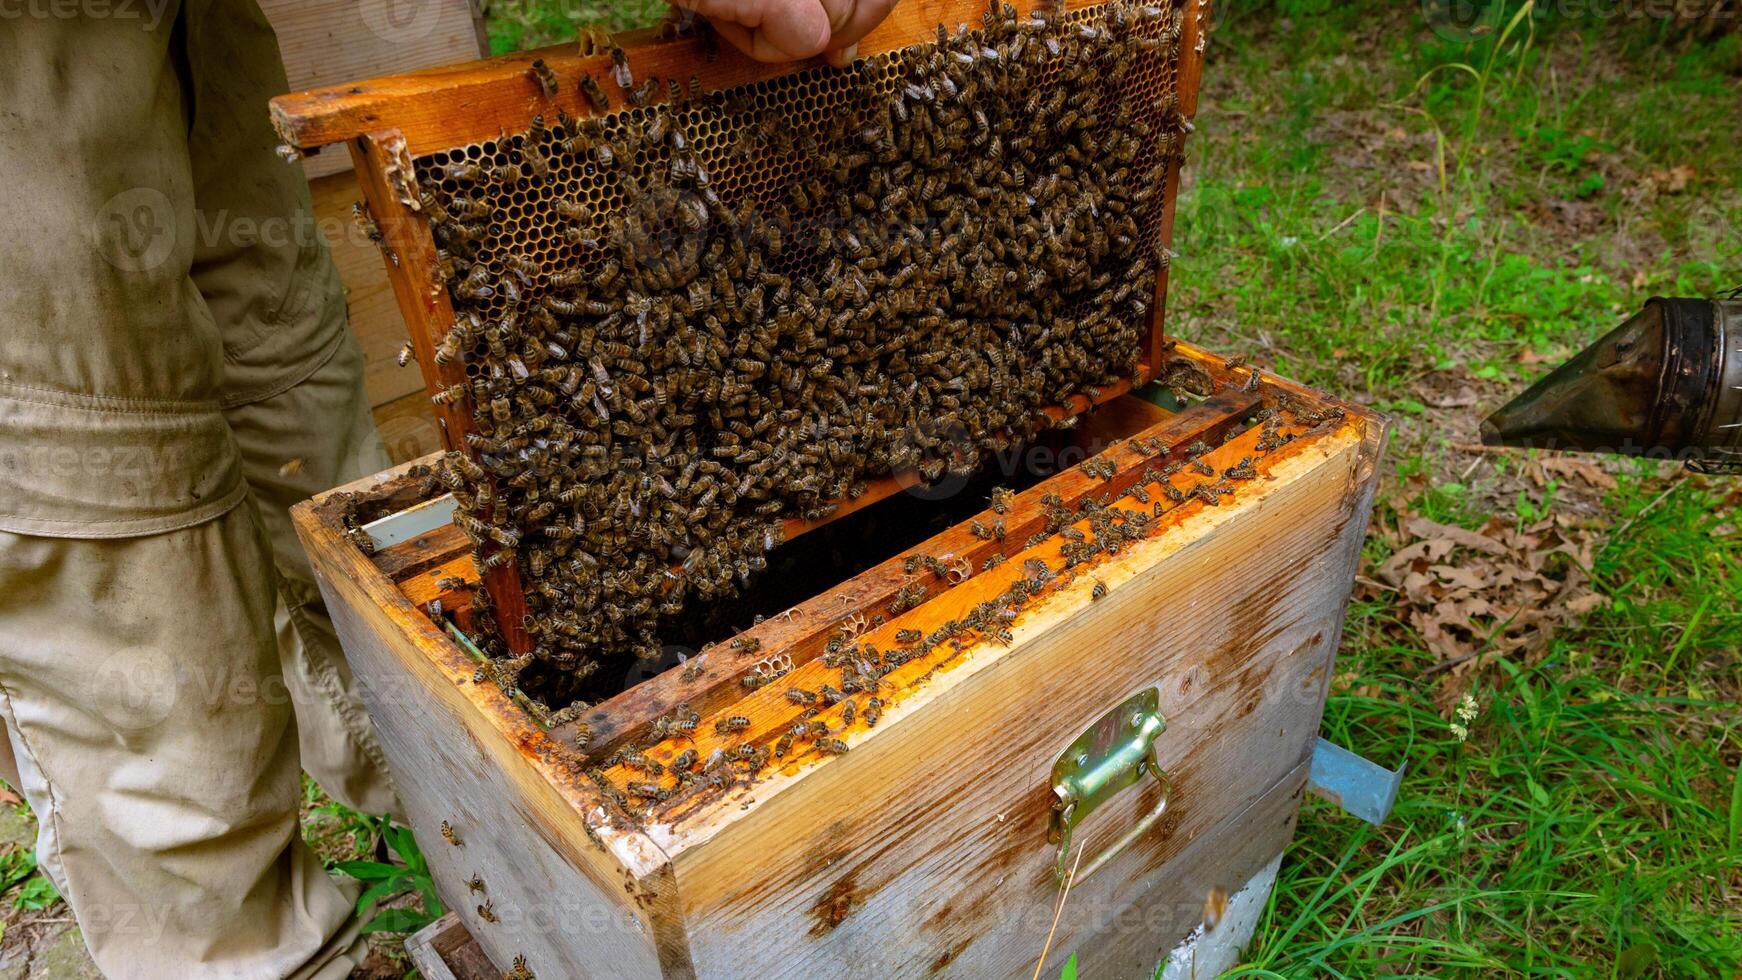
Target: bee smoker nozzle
x=1666 y=383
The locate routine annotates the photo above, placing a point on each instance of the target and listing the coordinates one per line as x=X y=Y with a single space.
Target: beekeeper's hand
x=792 y=30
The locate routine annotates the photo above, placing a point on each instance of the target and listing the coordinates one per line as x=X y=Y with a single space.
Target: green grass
x=1589 y=824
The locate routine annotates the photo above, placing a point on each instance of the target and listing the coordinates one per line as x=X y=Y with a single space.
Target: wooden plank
x=330 y=42
x=553 y=854
x=369 y=301
x=1171 y=901
x=444 y=950
x=421 y=948
x=933 y=827
x=444 y=107
x=384 y=171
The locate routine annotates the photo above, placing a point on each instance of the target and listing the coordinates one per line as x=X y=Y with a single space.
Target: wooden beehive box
x=1139 y=721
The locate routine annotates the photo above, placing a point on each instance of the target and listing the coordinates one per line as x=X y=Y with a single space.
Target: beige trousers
x=175 y=371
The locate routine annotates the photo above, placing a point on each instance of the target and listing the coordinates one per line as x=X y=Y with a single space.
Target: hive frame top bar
x=439 y=108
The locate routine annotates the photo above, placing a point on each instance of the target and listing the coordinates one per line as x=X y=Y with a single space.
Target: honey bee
x=1099 y=590
x=800 y=696
x=487 y=911
x=873 y=712
x=735 y=723
x=684 y=761
x=641 y=763
x=1215 y=907
x=1001 y=499
x=832 y=746
x=542 y=74
x=475 y=883
x=520 y=971
x=450 y=835
x=596 y=96
x=620 y=72
x=848 y=711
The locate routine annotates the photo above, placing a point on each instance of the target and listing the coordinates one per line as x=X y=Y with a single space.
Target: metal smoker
x=1666 y=384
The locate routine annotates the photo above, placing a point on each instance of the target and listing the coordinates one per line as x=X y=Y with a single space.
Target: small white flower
x=1466 y=713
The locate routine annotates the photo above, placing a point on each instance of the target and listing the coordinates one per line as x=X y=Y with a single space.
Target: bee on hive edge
x=542 y=74
x=450 y=835
x=595 y=94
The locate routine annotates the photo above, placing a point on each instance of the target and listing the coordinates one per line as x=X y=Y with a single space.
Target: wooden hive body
x=923 y=847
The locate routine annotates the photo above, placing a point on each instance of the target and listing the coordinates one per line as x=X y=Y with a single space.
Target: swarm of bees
x=667 y=354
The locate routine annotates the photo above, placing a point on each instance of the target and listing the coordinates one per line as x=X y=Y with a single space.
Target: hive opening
x=836 y=552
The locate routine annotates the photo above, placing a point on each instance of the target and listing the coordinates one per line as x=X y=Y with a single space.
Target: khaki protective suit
x=175 y=372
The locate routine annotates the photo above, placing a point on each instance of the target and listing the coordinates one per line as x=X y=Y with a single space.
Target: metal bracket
x=1115 y=752
x=1362 y=788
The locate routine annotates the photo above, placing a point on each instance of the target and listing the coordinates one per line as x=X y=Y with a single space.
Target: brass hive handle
x=1115 y=752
